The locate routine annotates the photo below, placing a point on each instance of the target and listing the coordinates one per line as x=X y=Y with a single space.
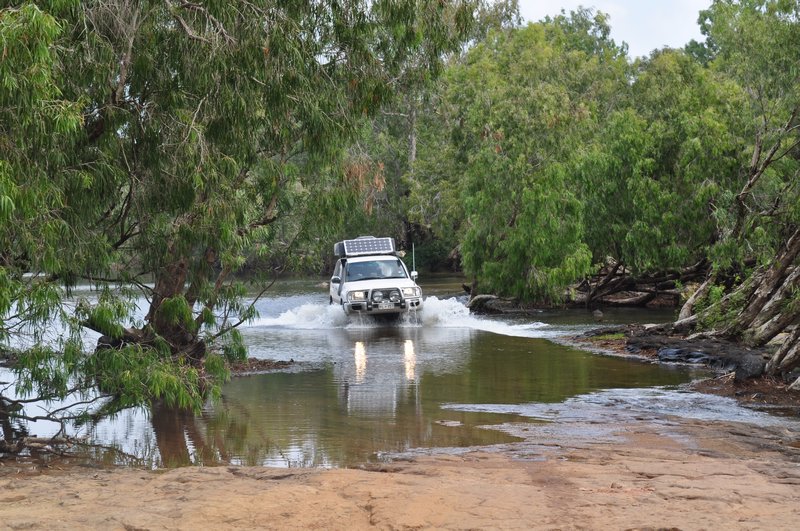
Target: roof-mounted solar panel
x=364 y=246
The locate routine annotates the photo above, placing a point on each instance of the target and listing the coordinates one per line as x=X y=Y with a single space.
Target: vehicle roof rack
x=364 y=246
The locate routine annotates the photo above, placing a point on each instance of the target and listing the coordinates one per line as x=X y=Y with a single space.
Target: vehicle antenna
x=413 y=258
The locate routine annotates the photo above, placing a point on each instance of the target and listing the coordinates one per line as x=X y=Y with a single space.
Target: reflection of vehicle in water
x=369 y=278
x=377 y=381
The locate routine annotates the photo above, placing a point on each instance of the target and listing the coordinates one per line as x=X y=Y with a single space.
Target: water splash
x=307 y=317
x=436 y=313
x=452 y=313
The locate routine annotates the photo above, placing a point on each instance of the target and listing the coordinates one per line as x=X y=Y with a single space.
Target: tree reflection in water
x=177 y=437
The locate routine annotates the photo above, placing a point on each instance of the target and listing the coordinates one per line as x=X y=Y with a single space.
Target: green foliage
x=126 y=377
x=758 y=47
x=36 y=125
x=497 y=15
x=105 y=315
x=719 y=307
x=432 y=256
x=234 y=348
x=133 y=375
x=177 y=312
x=163 y=145
x=660 y=166
x=514 y=109
x=44 y=372
x=548 y=149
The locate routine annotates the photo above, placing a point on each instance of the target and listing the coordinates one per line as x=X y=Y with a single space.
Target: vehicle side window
x=337 y=271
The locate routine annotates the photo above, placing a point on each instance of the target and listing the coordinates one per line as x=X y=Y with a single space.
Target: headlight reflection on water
x=410 y=359
x=360 y=354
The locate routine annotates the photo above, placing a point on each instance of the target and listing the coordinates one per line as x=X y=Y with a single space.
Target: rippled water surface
x=359 y=390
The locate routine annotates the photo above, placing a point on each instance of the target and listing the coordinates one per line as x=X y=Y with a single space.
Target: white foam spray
x=307 y=317
x=436 y=313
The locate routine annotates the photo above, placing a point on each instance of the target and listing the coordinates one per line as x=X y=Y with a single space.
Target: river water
x=361 y=391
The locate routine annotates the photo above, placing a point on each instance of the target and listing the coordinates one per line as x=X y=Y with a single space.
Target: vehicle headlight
x=357 y=295
x=377 y=296
x=394 y=296
x=411 y=292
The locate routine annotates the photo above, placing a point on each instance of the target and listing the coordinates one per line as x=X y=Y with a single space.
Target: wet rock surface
x=719 y=355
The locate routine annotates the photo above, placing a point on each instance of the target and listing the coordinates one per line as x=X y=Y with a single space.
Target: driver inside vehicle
x=375 y=270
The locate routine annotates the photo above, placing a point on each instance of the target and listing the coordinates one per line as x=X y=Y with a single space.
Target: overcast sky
x=644 y=24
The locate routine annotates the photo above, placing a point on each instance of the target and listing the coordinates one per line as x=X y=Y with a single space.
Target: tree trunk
x=776 y=316
x=768 y=286
x=599 y=289
x=687 y=310
x=181 y=336
x=769 y=308
x=170 y=283
x=614 y=278
x=788 y=355
x=641 y=299
x=412 y=137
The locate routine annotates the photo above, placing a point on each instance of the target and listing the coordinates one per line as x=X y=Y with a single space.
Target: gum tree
x=169 y=141
x=513 y=111
x=651 y=179
x=390 y=142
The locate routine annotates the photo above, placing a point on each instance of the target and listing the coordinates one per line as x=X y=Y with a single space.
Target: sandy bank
x=672 y=473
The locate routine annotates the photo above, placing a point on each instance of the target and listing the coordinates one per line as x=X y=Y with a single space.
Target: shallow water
x=360 y=391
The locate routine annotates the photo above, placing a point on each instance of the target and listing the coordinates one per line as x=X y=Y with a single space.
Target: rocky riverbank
x=738 y=369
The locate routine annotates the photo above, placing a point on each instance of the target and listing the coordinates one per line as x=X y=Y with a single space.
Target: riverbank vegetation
x=162 y=149
x=561 y=171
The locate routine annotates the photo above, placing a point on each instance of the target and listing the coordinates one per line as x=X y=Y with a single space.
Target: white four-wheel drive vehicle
x=370 y=278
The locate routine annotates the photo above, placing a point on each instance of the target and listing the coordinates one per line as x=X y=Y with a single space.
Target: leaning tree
x=752 y=292
x=157 y=145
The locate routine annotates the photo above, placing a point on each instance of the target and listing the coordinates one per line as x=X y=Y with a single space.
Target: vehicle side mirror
x=336 y=280
x=414 y=276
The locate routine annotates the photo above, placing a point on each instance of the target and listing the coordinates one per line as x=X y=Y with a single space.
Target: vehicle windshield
x=374 y=270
